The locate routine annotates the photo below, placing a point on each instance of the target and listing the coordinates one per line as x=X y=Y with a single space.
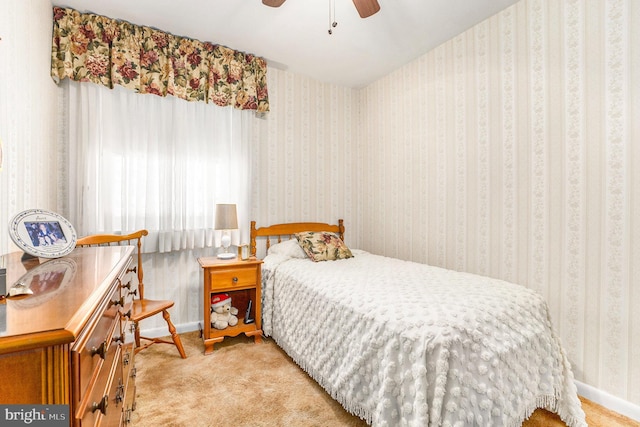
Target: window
x=136 y=161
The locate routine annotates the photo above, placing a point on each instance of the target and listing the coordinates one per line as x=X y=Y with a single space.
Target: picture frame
x=243 y=252
x=42 y=233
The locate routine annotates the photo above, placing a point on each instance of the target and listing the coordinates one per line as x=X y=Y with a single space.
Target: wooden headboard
x=288 y=230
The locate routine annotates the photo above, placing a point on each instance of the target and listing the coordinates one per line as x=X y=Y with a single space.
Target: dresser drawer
x=226 y=279
x=129 y=405
x=103 y=403
x=100 y=345
x=128 y=381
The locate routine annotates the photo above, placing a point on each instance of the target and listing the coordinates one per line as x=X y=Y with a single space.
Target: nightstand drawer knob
x=235 y=280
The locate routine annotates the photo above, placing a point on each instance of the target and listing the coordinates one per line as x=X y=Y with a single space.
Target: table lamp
x=226 y=220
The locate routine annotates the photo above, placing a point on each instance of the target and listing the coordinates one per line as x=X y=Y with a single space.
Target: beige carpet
x=247 y=384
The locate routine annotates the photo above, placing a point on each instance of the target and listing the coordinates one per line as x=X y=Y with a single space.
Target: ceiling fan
x=365 y=8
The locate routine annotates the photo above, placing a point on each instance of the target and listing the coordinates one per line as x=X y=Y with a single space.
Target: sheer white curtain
x=143 y=161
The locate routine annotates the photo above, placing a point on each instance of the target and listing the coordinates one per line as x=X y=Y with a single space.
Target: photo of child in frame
x=45 y=233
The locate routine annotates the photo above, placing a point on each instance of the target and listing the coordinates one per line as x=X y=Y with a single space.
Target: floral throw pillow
x=323 y=245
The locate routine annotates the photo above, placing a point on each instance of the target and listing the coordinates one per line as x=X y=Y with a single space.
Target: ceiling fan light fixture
x=273 y=3
x=366 y=8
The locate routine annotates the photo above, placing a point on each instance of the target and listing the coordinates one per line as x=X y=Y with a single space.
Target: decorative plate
x=42 y=233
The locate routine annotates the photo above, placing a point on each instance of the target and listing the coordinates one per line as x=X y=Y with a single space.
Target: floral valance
x=94 y=48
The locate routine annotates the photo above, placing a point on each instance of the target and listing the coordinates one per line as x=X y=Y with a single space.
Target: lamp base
x=226 y=255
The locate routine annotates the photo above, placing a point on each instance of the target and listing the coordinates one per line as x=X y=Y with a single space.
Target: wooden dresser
x=71 y=342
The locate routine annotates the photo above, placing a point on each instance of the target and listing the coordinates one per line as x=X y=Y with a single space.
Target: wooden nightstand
x=242 y=281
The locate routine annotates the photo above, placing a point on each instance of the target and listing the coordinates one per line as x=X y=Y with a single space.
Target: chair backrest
x=120 y=240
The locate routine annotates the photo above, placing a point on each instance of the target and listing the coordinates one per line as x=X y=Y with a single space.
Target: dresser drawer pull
x=235 y=280
x=128 y=285
x=101 y=406
x=134 y=293
x=127 y=314
x=120 y=391
x=118 y=339
x=119 y=302
x=133 y=269
x=100 y=351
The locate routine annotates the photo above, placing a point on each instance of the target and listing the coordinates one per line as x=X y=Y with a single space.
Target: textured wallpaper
x=304 y=166
x=28 y=120
x=510 y=151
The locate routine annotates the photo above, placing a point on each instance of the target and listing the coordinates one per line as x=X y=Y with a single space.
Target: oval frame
x=56 y=240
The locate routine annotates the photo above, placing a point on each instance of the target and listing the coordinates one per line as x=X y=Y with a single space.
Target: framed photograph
x=42 y=233
x=243 y=252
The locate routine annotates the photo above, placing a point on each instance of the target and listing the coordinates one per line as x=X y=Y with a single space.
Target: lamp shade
x=226 y=217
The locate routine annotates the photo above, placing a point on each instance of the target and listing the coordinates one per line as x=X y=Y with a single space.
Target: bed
x=400 y=343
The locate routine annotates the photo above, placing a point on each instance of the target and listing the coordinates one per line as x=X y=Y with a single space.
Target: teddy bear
x=222 y=313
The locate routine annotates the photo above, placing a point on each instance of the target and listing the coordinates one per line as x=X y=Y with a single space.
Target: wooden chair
x=142 y=308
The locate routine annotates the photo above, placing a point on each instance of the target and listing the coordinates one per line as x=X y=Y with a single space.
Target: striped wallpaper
x=28 y=121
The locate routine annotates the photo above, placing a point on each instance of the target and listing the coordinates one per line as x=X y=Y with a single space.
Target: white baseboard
x=163 y=332
x=609 y=401
x=596 y=395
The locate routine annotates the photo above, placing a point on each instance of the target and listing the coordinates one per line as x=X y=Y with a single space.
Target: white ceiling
x=295 y=36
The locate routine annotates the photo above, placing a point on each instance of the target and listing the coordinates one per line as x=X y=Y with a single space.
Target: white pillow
x=289 y=248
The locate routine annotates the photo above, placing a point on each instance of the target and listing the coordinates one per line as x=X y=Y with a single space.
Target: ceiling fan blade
x=273 y=3
x=365 y=8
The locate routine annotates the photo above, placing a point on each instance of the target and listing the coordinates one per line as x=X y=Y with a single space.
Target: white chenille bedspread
x=406 y=344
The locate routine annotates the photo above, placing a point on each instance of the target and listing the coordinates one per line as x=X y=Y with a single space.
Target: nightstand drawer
x=232 y=278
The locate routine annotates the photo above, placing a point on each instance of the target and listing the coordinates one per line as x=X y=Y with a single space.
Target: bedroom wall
x=304 y=152
x=512 y=151
x=28 y=121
